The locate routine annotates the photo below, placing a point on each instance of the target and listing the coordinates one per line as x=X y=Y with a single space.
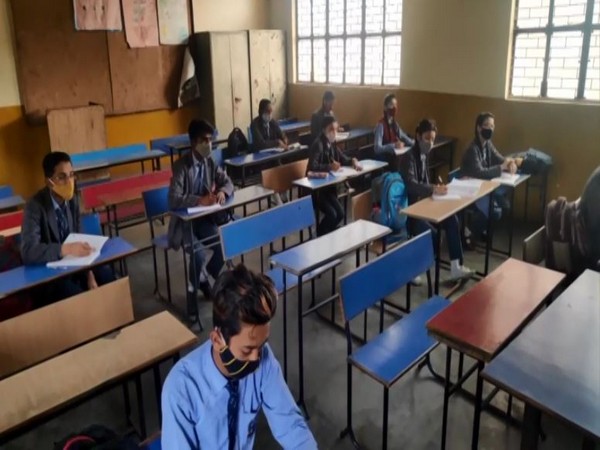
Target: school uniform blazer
x=590 y=199
x=482 y=161
x=322 y=154
x=263 y=137
x=181 y=190
x=316 y=123
x=411 y=172
x=40 y=238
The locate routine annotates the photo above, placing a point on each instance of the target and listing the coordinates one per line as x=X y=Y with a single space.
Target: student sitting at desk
x=211 y=397
x=49 y=217
x=324 y=156
x=413 y=168
x=266 y=132
x=198 y=181
x=482 y=160
x=389 y=137
x=326 y=110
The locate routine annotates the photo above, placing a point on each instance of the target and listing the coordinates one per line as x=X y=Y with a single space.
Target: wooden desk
x=9 y=232
x=10 y=203
x=306 y=257
x=314 y=184
x=488 y=316
x=83 y=162
x=554 y=364
x=436 y=211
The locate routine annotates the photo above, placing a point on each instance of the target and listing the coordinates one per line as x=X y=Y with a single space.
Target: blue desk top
x=96 y=160
x=292 y=127
x=317 y=252
x=554 y=364
x=14 y=201
x=357 y=133
x=313 y=184
x=262 y=156
x=25 y=277
x=240 y=198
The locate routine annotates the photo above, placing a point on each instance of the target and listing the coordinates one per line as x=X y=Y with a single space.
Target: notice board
x=59 y=67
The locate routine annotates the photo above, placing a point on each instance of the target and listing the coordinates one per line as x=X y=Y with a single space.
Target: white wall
x=9 y=90
x=230 y=15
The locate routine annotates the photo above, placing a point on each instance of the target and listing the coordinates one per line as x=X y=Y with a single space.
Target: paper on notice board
x=141 y=23
x=97 y=15
x=173 y=21
x=96 y=242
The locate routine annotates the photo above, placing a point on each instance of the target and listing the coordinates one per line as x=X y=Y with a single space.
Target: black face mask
x=486 y=133
x=236 y=368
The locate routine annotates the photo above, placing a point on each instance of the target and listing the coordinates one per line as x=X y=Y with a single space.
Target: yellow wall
x=230 y=15
x=9 y=92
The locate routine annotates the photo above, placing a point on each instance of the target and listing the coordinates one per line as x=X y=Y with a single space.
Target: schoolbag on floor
x=237 y=144
x=390 y=198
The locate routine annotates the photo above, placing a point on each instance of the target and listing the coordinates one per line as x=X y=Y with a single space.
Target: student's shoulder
x=38 y=200
x=188 y=370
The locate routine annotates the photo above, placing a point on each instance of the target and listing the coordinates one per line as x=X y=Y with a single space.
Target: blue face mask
x=237 y=369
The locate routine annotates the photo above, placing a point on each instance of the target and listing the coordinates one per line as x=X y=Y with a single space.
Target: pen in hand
x=440 y=180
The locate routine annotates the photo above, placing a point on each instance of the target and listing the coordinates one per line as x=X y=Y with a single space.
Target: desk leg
x=243 y=176
x=511 y=216
x=490 y=236
x=526 y=199
x=301 y=403
x=285 y=364
x=530 y=430
x=447 y=394
x=438 y=244
x=478 y=404
x=194 y=275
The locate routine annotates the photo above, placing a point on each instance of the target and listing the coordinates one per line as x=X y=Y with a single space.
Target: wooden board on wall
x=143 y=79
x=58 y=67
x=76 y=130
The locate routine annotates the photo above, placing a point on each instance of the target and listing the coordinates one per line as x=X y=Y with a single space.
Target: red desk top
x=486 y=318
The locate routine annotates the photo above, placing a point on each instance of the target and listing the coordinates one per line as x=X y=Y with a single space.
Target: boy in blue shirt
x=211 y=398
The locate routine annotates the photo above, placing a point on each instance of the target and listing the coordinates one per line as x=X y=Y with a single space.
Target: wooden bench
x=395 y=351
x=536 y=245
x=281 y=178
x=58 y=356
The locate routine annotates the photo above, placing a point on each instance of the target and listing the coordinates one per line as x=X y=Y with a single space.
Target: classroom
x=236 y=224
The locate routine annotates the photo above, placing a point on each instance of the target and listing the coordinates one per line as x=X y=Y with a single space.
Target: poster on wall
x=97 y=15
x=173 y=21
x=141 y=23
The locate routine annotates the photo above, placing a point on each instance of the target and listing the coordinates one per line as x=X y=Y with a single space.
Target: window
x=556 y=49
x=349 y=41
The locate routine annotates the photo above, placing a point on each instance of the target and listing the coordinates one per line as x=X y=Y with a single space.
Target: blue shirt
x=194 y=405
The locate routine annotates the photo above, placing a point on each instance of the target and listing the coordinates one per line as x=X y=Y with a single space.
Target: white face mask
x=425 y=146
x=203 y=149
x=266 y=117
x=331 y=136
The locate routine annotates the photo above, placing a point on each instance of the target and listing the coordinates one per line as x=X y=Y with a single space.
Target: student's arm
x=285 y=419
x=33 y=250
x=344 y=159
x=408 y=170
x=314 y=158
x=315 y=125
x=408 y=141
x=178 y=197
x=179 y=415
x=379 y=147
x=473 y=165
x=258 y=141
x=222 y=181
x=495 y=155
x=279 y=132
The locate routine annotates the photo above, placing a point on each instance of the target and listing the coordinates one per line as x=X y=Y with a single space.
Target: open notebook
x=507 y=178
x=96 y=242
x=458 y=189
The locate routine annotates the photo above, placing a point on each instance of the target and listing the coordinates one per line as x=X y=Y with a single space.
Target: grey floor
x=415 y=401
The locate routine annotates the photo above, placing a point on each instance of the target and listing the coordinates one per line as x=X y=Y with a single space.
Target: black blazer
x=322 y=154
x=40 y=236
x=261 y=138
x=417 y=184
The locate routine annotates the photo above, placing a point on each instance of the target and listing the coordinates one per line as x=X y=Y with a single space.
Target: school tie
x=233 y=407
x=63 y=222
x=199 y=179
x=424 y=174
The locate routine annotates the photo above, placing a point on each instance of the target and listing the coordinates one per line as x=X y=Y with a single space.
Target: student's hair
x=198 y=128
x=240 y=295
x=327 y=120
x=263 y=105
x=482 y=117
x=426 y=125
x=328 y=96
x=53 y=159
x=388 y=99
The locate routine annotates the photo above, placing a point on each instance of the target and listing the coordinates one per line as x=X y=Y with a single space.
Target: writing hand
x=221 y=197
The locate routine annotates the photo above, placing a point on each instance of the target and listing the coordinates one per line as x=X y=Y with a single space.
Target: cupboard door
x=277 y=72
x=260 y=76
x=222 y=82
x=240 y=79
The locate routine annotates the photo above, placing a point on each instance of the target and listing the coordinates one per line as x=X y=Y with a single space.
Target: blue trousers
x=203 y=229
x=452 y=229
x=333 y=213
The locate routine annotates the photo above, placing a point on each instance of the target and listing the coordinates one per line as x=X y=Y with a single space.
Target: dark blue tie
x=198 y=182
x=233 y=407
x=63 y=222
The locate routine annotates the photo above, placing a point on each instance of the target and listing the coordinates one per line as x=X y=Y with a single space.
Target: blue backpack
x=390 y=193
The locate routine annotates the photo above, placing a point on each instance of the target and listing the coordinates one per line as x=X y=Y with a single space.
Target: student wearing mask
x=389 y=137
x=49 y=217
x=326 y=110
x=482 y=160
x=590 y=210
x=413 y=168
x=266 y=132
x=198 y=181
x=212 y=397
x=324 y=157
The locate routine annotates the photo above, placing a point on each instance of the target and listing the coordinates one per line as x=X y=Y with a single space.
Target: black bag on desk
x=237 y=144
x=535 y=162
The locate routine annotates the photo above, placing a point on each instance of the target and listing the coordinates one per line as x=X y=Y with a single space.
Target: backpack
x=535 y=162
x=390 y=197
x=236 y=144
